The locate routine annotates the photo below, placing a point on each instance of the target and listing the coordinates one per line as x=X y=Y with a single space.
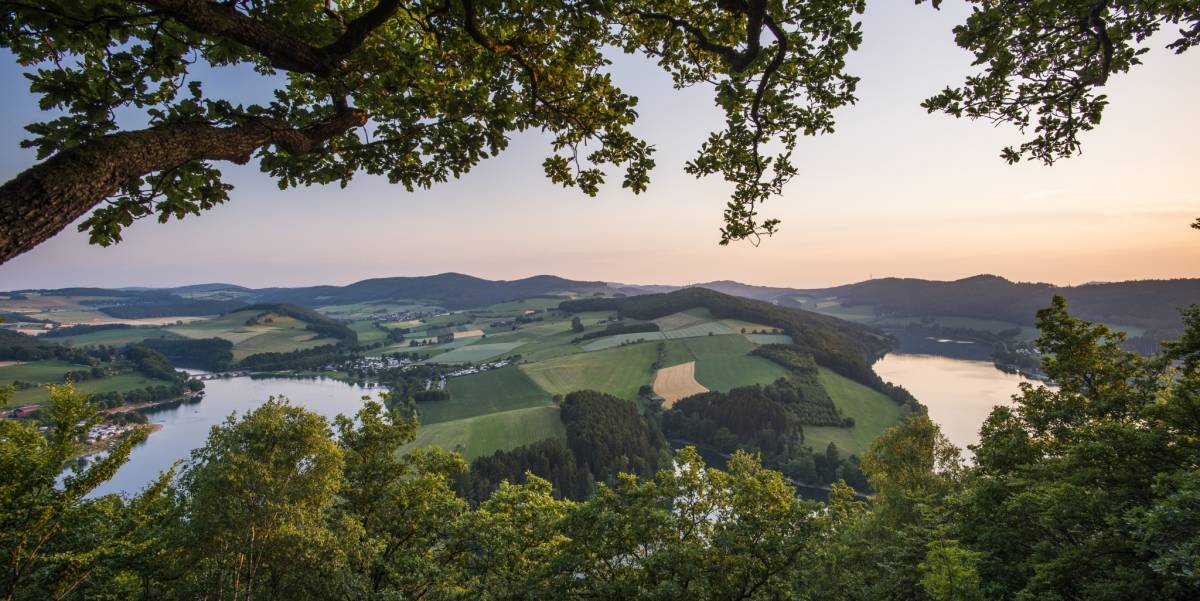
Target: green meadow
x=485 y=434
x=491 y=391
x=618 y=371
x=873 y=413
x=42 y=373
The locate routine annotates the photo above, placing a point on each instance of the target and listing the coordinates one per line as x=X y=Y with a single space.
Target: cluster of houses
x=466 y=371
x=101 y=433
x=440 y=383
x=372 y=363
x=401 y=316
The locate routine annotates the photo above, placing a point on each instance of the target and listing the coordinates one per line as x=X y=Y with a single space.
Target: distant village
x=440 y=383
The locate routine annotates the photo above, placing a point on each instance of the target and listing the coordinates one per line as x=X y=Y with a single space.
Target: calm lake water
x=186 y=427
x=959 y=393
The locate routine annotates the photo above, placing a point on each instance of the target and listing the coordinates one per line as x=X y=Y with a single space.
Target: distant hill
x=1149 y=307
x=216 y=287
x=451 y=290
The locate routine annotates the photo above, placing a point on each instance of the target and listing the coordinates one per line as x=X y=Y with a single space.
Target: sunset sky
x=894 y=192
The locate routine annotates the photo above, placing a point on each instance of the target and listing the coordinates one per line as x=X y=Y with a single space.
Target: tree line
x=605 y=437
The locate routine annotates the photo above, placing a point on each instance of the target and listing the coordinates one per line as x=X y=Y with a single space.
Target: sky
x=894 y=192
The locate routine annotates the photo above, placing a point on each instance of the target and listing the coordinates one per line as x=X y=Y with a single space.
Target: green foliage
x=949 y=573
x=1046 y=61
x=258 y=494
x=1073 y=481
x=213 y=354
x=547 y=459
x=152 y=363
x=53 y=539
x=608 y=436
x=438 y=87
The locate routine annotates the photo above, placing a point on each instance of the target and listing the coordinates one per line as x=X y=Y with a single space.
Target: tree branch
x=358 y=29
x=224 y=21
x=284 y=51
x=44 y=199
x=472 y=27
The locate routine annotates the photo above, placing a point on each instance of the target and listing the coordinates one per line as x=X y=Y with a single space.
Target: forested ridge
x=1151 y=305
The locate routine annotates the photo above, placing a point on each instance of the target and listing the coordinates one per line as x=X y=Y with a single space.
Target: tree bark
x=284 y=51
x=44 y=199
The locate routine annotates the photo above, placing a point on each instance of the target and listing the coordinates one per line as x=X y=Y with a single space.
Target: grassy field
x=872 y=412
x=432 y=349
x=738 y=325
x=617 y=371
x=114 y=337
x=518 y=307
x=51 y=372
x=278 y=341
x=372 y=309
x=548 y=341
x=731 y=372
x=600 y=344
x=71 y=310
x=707 y=328
x=485 y=434
x=231 y=327
x=367 y=332
x=684 y=319
x=281 y=335
x=769 y=338
x=492 y=391
x=723 y=362
x=480 y=351
x=38 y=372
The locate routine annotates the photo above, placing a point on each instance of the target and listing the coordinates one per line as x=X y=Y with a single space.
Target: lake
x=186 y=426
x=959 y=393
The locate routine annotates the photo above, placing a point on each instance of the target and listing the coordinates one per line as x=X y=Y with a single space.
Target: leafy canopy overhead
x=421 y=91
x=1046 y=60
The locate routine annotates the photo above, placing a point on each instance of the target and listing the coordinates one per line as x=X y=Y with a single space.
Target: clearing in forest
x=677 y=382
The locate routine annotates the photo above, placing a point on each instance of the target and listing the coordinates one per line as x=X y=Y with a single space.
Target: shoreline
x=104 y=445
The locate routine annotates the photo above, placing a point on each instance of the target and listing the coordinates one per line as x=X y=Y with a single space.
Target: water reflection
x=186 y=426
x=959 y=393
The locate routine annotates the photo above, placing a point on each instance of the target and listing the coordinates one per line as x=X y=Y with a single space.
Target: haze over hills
x=1147 y=307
